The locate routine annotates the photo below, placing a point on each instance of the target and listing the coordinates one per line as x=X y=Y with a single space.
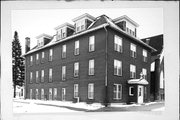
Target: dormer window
x=43 y=39
x=83 y=22
x=64 y=30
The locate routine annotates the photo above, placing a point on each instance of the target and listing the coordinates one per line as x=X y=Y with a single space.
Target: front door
x=140 y=95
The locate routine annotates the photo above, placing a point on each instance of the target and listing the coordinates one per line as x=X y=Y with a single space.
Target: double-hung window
x=91 y=91
x=42 y=57
x=50 y=75
x=63 y=94
x=75 y=90
x=37 y=58
x=132 y=71
x=144 y=72
x=64 y=51
x=117 y=89
x=117 y=43
x=144 y=55
x=31 y=77
x=50 y=93
x=91 y=43
x=42 y=75
x=37 y=76
x=30 y=94
x=55 y=94
x=63 y=72
x=76 y=49
x=91 y=67
x=76 y=69
x=50 y=54
x=37 y=94
x=133 y=50
x=31 y=60
x=117 y=68
x=42 y=94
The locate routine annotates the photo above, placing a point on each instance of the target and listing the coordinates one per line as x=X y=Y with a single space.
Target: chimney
x=27 y=44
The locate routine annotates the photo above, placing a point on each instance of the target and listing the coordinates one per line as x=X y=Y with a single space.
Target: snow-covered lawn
x=159 y=109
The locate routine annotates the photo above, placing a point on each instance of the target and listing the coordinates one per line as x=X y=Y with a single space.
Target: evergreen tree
x=18 y=63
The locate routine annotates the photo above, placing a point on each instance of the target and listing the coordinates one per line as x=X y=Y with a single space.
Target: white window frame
x=118 y=44
x=116 y=92
x=144 y=55
x=91 y=43
x=31 y=60
x=132 y=71
x=144 y=72
x=76 y=69
x=50 y=75
x=37 y=94
x=55 y=94
x=91 y=67
x=76 y=48
x=37 y=76
x=76 y=90
x=117 y=67
x=50 y=93
x=37 y=58
x=64 y=51
x=133 y=50
x=91 y=91
x=30 y=94
x=63 y=73
x=50 y=54
x=31 y=77
x=42 y=94
x=130 y=92
x=63 y=94
x=42 y=75
x=79 y=25
x=42 y=56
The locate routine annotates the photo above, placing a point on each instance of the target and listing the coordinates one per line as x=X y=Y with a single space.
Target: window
x=91 y=91
x=117 y=43
x=76 y=50
x=50 y=54
x=133 y=50
x=91 y=67
x=37 y=58
x=42 y=57
x=42 y=94
x=75 y=90
x=37 y=76
x=50 y=93
x=63 y=94
x=144 y=72
x=50 y=75
x=42 y=75
x=117 y=67
x=80 y=25
x=64 y=51
x=30 y=94
x=61 y=33
x=31 y=60
x=132 y=71
x=117 y=91
x=144 y=55
x=31 y=77
x=63 y=72
x=76 y=69
x=131 y=91
x=55 y=93
x=91 y=43
x=37 y=94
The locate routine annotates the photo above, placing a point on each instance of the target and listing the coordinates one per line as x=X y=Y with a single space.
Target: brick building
x=95 y=60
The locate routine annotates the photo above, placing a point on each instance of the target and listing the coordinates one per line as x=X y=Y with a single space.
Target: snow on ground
x=34 y=108
x=159 y=109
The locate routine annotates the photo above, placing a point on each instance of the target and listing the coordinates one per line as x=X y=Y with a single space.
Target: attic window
x=80 y=25
x=40 y=42
x=61 y=33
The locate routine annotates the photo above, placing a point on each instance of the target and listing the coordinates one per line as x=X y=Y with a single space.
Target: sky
x=31 y=23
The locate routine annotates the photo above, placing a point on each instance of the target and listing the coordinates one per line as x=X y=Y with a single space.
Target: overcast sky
x=31 y=23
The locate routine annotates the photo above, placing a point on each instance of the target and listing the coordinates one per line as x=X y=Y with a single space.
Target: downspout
x=106 y=101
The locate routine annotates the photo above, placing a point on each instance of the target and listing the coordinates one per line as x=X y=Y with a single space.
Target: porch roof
x=138 y=81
